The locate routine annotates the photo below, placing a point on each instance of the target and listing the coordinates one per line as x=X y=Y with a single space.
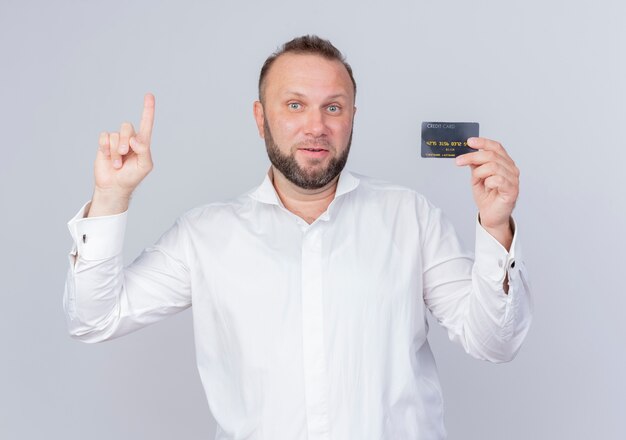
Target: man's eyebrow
x=329 y=98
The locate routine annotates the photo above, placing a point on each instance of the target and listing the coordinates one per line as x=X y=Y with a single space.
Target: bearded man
x=309 y=292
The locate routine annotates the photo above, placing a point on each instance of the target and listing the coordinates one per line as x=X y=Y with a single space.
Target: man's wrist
x=503 y=233
x=106 y=202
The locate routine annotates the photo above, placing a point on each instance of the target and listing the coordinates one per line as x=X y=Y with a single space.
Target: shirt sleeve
x=465 y=292
x=103 y=299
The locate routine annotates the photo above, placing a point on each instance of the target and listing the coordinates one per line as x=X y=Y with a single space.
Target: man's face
x=306 y=118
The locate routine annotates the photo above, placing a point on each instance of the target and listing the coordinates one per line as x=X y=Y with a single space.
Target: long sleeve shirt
x=309 y=331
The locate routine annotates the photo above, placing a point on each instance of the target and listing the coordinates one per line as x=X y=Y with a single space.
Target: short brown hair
x=307 y=44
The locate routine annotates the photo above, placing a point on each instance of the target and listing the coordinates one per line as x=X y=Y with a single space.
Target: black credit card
x=447 y=139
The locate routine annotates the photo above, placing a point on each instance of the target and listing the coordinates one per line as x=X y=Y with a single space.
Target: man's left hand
x=495 y=185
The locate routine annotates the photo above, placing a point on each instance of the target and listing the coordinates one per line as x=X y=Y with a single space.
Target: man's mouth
x=316 y=153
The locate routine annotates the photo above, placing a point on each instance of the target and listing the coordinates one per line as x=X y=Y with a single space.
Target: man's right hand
x=122 y=161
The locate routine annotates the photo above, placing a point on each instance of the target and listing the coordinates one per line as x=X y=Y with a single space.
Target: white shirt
x=309 y=331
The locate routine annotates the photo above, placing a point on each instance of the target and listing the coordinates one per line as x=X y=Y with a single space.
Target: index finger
x=481 y=143
x=147 y=118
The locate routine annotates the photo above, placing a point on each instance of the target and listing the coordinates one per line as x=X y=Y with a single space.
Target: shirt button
x=84 y=238
x=512 y=264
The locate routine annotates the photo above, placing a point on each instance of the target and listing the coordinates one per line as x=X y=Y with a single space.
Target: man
x=309 y=292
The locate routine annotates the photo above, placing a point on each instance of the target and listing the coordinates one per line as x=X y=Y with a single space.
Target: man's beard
x=305 y=179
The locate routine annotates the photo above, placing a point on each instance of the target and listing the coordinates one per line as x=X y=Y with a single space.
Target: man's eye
x=333 y=108
x=294 y=105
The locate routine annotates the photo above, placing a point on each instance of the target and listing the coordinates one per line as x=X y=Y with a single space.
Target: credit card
x=447 y=139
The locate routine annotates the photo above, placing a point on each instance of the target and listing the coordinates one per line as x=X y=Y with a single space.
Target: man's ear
x=259 y=117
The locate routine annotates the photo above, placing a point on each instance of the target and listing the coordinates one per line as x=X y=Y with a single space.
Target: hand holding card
x=495 y=185
x=495 y=178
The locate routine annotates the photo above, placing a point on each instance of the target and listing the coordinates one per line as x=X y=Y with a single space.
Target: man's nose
x=315 y=123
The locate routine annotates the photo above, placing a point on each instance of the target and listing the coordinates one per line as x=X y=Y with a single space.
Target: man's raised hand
x=495 y=185
x=122 y=162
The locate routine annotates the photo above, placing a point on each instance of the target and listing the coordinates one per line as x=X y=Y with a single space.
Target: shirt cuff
x=97 y=238
x=492 y=260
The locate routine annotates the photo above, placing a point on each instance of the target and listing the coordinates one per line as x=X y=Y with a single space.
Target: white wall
x=544 y=78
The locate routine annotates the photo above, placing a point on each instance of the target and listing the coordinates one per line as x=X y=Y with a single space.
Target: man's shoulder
x=385 y=189
x=376 y=183
x=217 y=209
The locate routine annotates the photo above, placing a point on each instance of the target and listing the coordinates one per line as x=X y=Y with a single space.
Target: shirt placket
x=315 y=373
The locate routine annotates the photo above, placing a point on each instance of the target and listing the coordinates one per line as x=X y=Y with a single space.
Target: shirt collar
x=266 y=193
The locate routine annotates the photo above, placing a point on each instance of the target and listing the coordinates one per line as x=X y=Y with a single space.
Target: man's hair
x=307 y=45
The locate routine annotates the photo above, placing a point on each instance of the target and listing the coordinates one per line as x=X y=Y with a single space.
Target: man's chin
x=311 y=178
x=311 y=175
x=312 y=166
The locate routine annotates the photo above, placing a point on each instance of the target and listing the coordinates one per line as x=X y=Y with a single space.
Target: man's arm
x=495 y=187
x=466 y=293
x=485 y=305
x=102 y=298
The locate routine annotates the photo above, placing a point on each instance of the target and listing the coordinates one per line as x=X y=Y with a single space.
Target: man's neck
x=307 y=204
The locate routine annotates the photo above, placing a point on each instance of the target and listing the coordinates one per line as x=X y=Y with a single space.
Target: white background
x=544 y=78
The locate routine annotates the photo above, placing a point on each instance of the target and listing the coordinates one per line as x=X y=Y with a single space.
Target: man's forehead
x=291 y=71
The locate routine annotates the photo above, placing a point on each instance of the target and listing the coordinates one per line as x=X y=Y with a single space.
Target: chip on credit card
x=447 y=139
